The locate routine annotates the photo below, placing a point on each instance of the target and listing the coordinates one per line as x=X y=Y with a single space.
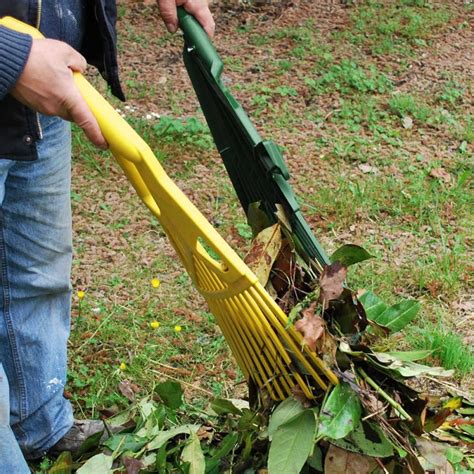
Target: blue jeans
x=35 y=265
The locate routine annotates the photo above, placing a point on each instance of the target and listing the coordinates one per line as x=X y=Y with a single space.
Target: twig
x=379 y=462
x=194 y=387
x=395 y=405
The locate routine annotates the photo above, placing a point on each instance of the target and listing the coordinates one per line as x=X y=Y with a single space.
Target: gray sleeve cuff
x=14 y=50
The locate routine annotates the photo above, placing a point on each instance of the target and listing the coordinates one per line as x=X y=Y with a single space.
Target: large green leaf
x=91 y=443
x=340 y=414
x=170 y=393
x=283 y=413
x=411 y=356
x=192 y=453
x=350 y=254
x=222 y=406
x=291 y=444
x=368 y=439
x=399 y=315
x=98 y=464
x=407 y=368
x=163 y=436
x=373 y=305
x=126 y=442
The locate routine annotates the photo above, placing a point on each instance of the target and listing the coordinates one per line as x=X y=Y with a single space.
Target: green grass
x=334 y=103
x=448 y=348
x=395 y=27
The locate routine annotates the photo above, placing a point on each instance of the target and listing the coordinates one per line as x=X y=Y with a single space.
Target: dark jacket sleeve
x=14 y=51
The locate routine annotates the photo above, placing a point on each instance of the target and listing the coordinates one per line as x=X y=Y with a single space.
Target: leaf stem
x=395 y=405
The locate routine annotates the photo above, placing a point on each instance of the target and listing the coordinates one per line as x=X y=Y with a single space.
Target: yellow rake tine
x=252 y=323
x=254 y=363
x=287 y=338
x=275 y=355
x=257 y=348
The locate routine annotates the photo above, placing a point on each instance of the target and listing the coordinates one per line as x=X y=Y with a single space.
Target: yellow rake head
x=269 y=353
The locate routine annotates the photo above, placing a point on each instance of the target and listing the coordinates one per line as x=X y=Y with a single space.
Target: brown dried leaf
x=339 y=460
x=331 y=282
x=265 y=249
x=299 y=395
x=311 y=326
x=205 y=433
x=125 y=388
x=132 y=465
x=441 y=174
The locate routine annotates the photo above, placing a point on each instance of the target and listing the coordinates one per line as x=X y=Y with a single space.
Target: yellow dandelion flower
x=81 y=294
x=123 y=366
x=155 y=283
x=155 y=324
x=178 y=329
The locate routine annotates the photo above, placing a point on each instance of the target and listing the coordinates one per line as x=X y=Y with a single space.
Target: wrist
x=14 y=51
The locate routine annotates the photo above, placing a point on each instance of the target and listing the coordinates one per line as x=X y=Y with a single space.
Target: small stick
x=395 y=405
x=194 y=387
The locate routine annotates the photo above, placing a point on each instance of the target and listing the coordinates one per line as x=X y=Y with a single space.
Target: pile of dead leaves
x=375 y=419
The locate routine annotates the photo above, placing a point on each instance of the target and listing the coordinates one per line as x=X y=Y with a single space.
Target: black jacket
x=19 y=126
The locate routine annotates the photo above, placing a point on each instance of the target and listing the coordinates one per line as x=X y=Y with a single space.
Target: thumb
x=75 y=60
x=79 y=112
x=169 y=14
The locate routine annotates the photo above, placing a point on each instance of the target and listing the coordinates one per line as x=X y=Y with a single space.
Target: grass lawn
x=372 y=104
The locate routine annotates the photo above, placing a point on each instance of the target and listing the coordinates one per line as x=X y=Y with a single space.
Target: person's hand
x=47 y=86
x=197 y=8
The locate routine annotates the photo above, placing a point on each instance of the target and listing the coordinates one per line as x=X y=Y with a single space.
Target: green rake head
x=256 y=167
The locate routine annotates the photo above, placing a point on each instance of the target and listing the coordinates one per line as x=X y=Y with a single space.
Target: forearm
x=14 y=51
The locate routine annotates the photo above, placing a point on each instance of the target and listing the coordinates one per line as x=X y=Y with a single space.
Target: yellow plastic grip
x=253 y=324
x=122 y=139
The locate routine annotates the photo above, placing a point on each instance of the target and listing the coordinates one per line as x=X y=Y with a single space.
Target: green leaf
x=399 y=315
x=350 y=254
x=170 y=393
x=126 y=442
x=163 y=436
x=62 y=465
x=225 y=447
x=316 y=459
x=373 y=305
x=368 y=439
x=100 y=463
x=283 y=413
x=192 y=453
x=453 y=455
x=91 y=443
x=222 y=406
x=467 y=428
x=292 y=444
x=340 y=414
x=411 y=356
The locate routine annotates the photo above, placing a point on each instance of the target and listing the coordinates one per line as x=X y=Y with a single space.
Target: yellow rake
x=255 y=327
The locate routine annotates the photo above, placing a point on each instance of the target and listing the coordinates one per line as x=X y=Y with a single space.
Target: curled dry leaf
x=265 y=249
x=132 y=465
x=339 y=460
x=127 y=389
x=331 y=282
x=311 y=326
x=441 y=174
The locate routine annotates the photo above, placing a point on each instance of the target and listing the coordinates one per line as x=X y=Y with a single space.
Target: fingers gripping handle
x=125 y=144
x=196 y=38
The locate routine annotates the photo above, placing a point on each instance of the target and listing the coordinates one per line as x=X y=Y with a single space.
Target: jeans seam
x=9 y=323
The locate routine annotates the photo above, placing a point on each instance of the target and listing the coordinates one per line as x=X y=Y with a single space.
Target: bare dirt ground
x=156 y=82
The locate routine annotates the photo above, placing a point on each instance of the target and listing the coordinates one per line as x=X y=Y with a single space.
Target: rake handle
x=196 y=38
